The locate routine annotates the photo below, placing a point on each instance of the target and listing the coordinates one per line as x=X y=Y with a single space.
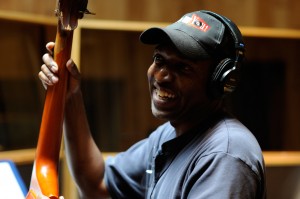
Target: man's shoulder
x=232 y=134
x=240 y=138
x=231 y=137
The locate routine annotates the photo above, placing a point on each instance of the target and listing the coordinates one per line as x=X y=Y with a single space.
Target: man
x=201 y=151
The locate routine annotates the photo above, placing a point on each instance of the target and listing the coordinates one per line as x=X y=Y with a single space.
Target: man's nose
x=163 y=74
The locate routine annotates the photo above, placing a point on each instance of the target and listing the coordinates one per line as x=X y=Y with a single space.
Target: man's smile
x=164 y=94
x=164 y=99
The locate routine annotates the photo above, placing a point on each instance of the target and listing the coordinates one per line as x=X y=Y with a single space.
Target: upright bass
x=44 y=180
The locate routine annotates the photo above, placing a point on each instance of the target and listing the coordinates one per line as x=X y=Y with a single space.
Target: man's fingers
x=43 y=79
x=49 y=47
x=50 y=63
x=49 y=68
x=48 y=58
x=46 y=76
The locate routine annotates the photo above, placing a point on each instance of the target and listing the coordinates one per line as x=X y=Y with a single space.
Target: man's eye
x=157 y=59
x=186 y=68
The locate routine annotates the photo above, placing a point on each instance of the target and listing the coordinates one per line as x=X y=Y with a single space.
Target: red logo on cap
x=196 y=22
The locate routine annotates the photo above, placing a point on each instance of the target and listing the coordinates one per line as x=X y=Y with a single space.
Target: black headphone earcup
x=224 y=78
x=230 y=80
x=226 y=75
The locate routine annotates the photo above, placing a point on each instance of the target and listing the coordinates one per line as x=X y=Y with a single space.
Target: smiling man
x=178 y=88
x=201 y=151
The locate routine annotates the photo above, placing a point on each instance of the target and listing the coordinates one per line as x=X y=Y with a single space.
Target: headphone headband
x=233 y=29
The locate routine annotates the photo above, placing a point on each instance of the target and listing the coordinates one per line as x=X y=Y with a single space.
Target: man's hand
x=49 y=71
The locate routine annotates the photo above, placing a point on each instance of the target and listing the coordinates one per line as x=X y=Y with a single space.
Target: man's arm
x=84 y=158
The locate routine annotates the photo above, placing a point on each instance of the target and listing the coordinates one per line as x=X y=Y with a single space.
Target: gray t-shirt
x=220 y=159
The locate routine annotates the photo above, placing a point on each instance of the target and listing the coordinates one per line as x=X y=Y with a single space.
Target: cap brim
x=184 y=43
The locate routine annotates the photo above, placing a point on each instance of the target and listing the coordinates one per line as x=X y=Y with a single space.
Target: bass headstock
x=69 y=11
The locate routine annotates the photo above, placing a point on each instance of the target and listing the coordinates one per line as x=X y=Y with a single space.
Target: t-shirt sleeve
x=124 y=174
x=221 y=175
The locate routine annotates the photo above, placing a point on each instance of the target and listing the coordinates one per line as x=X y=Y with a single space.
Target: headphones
x=225 y=77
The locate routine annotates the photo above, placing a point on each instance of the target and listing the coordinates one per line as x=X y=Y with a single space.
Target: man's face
x=178 y=86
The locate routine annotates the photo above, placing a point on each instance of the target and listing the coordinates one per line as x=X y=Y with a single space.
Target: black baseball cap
x=196 y=35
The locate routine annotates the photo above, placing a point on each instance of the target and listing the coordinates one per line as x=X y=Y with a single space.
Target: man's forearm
x=84 y=158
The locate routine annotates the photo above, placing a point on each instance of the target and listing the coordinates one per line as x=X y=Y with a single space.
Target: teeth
x=164 y=94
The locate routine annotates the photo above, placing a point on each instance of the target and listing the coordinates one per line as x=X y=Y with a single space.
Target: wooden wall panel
x=45 y=7
x=292 y=134
x=120 y=58
x=267 y=13
x=278 y=13
x=284 y=126
x=20 y=94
